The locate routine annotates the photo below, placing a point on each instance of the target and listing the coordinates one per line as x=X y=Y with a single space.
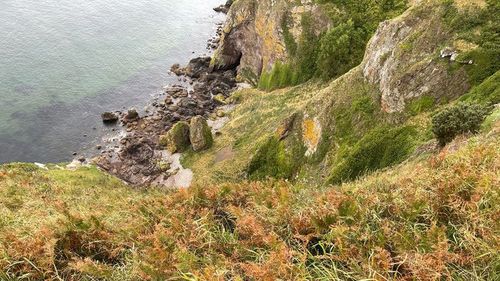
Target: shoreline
x=135 y=155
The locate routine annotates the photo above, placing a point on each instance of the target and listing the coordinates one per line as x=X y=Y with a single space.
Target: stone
x=220 y=113
x=109 y=117
x=131 y=114
x=219 y=98
x=177 y=138
x=177 y=70
x=200 y=134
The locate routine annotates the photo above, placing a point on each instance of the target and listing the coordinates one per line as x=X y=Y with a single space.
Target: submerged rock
x=200 y=134
x=177 y=138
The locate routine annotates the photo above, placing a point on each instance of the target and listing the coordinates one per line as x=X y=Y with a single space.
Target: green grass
x=379 y=148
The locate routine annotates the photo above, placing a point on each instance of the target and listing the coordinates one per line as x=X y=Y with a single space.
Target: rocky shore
x=139 y=158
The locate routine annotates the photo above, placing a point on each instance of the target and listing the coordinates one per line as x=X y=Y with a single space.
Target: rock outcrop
x=253 y=35
x=403 y=59
x=177 y=138
x=200 y=134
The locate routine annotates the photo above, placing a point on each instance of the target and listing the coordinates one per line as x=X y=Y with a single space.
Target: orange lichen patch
x=311 y=133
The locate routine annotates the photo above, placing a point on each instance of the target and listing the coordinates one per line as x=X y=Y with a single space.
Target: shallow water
x=63 y=62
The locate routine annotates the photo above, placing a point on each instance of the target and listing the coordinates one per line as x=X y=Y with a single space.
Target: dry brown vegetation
x=428 y=219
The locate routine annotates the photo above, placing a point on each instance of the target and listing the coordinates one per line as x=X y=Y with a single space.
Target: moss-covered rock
x=200 y=134
x=281 y=155
x=177 y=138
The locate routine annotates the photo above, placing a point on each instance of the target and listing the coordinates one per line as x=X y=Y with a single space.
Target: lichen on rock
x=402 y=73
x=311 y=134
x=200 y=134
x=177 y=138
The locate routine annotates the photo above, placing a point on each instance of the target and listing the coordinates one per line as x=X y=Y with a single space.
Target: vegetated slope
x=431 y=218
x=374 y=116
x=337 y=179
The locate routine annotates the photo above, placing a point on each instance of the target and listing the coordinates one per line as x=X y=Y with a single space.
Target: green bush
x=459 y=119
x=340 y=49
x=282 y=75
x=334 y=52
x=379 y=148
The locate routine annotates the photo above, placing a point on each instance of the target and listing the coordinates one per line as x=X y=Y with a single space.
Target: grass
x=431 y=218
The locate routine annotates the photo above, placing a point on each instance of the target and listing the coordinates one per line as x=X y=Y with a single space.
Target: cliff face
x=403 y=59
x=253 y=36
x=372 y=117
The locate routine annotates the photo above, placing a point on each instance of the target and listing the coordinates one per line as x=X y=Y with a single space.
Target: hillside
x=367 y=148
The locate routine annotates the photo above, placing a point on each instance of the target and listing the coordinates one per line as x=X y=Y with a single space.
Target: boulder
x=177 y=70
x=109 y=117
x=177 y=138
x=132 y=115
x=197 y=66
x=200 y=134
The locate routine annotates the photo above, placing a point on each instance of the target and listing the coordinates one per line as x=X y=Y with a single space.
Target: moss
x=363 y=104
x=421 y=104
x=177 y=138
x=291 y=45
x=279 y=157
x=248 y=75
x=379 y=148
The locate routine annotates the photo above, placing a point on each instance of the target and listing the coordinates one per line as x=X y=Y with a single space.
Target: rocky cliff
x=403 y=59
x=345 y=179
x=254 y=34
x=372 y=117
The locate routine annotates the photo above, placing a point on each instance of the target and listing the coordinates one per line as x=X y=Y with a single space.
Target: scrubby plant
x=277 y=159
x=334 y=52
x=428 y=219
x=478 y=26
x=458 y=119
x=379 y=148
x=340 y=49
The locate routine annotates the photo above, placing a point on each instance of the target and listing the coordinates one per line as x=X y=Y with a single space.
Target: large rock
x=200 y=134
x=401 y=59
x=177 y=138
x=109 y=117
x=252 y=38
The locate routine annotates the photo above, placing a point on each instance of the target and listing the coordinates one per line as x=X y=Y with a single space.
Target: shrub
x=340 y=49
x=459 y=119
x=282 y=75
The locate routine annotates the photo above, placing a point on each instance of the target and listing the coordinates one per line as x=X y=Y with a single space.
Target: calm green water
x=63 y=62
